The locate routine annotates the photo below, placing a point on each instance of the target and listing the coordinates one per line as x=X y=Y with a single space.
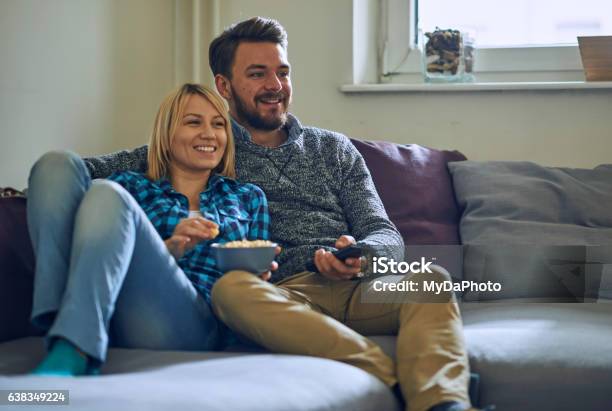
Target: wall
x=80 y=75
x=568 y=128
x=88 y=76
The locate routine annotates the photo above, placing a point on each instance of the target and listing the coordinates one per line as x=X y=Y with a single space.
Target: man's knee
x=232 y=287
x=436 y=285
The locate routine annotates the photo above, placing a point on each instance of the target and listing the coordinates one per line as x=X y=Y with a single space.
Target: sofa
x=544 y=342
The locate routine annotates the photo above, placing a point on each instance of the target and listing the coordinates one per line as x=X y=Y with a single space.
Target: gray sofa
x=543 y=344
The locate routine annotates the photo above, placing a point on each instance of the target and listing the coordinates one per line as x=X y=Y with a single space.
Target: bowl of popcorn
x=254 y=256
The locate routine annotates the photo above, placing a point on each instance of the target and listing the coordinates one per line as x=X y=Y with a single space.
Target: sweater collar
x=293 y=127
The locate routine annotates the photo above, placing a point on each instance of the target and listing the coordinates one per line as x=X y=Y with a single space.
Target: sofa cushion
x=416 y=189
x=538 y=231
x=17 y=270
x=144 y=380
x=533 y=357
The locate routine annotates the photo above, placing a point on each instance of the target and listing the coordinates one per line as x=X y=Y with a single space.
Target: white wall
x=89 y=75
x=567 y=128
x=80 y=75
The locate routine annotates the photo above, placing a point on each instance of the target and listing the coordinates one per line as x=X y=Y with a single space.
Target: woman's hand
x=188 y=233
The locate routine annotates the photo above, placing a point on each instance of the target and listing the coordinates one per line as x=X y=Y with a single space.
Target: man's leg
x=296 y=318
x=431 y=361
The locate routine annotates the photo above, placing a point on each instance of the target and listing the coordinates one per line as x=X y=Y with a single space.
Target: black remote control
x=352 y=251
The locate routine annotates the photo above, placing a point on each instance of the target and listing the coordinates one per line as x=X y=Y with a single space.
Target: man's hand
x=334 y=269
x=188 y=233
x=273 y=267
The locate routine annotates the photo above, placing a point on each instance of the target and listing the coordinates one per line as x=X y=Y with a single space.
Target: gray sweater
x=318 y=188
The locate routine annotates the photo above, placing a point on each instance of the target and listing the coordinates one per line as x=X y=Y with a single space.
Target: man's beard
x=252 y=117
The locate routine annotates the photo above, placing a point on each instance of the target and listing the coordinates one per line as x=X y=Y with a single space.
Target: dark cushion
x=539 y=231
x=16 y=270
x=416 y=189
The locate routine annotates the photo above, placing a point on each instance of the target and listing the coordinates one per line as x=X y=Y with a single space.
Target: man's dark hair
x=222 y=50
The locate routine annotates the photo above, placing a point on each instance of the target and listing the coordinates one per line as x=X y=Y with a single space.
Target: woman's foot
x=64 y=360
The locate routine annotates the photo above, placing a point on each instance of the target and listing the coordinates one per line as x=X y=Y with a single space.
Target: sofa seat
x=530 y=356
x=538 y=356
x=148 y=380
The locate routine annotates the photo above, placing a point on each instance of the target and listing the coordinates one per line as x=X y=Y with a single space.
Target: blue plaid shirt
x=240 y=210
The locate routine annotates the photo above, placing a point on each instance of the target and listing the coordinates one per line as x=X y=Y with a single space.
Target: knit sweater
x=318 y=188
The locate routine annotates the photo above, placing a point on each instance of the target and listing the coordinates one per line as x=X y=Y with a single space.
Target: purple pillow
x=16 y=270
x=416 y=189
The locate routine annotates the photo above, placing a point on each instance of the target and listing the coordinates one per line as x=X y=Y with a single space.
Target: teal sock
x=63 y=360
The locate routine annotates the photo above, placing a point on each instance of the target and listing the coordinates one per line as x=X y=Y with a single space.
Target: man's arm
x=363 y=208
x=125 y=160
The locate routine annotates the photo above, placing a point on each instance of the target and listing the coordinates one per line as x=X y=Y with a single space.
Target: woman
x=128 y=260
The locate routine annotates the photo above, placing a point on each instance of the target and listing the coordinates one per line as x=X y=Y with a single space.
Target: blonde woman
x=127 y=260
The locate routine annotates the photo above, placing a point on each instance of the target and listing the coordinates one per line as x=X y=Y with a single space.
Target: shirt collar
x=293 y=127
x=213 y=181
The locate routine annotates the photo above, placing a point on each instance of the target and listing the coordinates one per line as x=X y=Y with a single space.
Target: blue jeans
x=103 y=274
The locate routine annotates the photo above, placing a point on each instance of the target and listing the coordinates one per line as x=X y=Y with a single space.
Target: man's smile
x=271 y=100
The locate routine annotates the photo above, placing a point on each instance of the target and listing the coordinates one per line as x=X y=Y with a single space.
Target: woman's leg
x=58 y=181
x=120 y=269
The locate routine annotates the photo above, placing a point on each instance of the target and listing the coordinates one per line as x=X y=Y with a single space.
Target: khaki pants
x=308 y=314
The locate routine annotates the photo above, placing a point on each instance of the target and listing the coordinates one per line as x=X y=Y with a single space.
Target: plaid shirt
x=240 y=210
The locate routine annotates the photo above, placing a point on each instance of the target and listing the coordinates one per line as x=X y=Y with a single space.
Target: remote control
x=352 y=251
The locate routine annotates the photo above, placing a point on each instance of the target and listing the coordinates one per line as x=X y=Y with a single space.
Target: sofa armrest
x=16 y=270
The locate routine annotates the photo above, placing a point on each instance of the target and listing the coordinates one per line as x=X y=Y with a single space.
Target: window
x=520 y=23
x=519 y=40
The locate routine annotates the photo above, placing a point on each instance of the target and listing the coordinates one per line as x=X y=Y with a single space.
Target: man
x=321 y=197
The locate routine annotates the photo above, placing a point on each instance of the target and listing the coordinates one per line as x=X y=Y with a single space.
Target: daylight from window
x=518 y=23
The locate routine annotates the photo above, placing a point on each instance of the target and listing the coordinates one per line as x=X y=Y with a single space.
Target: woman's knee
x=58 y=166
x=57 y=183
x=105 y=201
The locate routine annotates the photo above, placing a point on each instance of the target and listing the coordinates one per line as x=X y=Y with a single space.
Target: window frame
x=400 y=61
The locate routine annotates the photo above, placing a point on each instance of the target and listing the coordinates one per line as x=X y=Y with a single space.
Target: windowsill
x=450 y=87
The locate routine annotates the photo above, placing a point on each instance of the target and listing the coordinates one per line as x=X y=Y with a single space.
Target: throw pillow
x=416 y=189
x=541 y=232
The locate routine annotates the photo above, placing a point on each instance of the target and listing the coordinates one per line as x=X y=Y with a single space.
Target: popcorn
x=248 y=244
x=214 y=231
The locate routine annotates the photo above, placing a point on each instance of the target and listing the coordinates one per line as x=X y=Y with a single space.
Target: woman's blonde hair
x=168 y=118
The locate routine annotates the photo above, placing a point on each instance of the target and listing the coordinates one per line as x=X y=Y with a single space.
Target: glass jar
x=447 y=55
x=469 y=46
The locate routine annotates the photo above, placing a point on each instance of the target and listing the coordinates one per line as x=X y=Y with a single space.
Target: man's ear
x=223 y=86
